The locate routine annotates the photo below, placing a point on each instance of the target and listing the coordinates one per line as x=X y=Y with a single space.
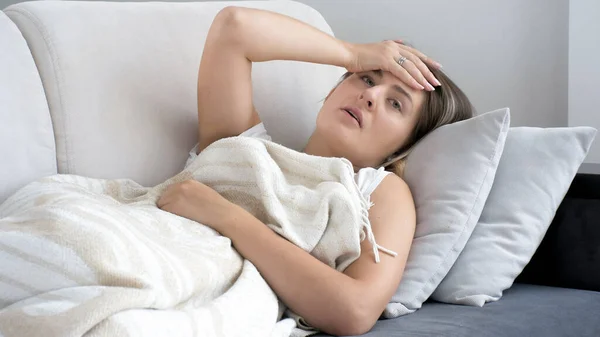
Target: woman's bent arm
x=267 y=36
x=346 y=303
x=237 y=37
x=240 y=36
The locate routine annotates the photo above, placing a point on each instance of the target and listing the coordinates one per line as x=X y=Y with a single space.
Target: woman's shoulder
x=376 y=184
x=393 y=188
x=389 y=178
x=369 y=178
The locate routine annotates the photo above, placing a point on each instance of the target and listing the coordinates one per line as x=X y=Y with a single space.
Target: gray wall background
x=503 y=53
x=584 y=70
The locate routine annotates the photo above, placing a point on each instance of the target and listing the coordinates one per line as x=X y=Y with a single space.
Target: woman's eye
x=368 y=81
x=396 y=105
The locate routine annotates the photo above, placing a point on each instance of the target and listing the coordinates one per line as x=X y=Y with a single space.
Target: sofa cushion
x=121 y=82
x=524 y=310
x=26 y=136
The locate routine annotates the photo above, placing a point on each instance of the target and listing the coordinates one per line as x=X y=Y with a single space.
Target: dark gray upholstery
x=569 y=255
x=524 y=310
x=557 y=294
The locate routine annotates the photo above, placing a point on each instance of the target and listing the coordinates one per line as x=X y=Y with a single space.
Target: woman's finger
x=400 y=72
x=420 y=62
x=164 y=198
x=412 y=66
x=423 y=69
x=419 y=54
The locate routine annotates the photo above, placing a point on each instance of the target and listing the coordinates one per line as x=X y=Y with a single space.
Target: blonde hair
x=445 y=105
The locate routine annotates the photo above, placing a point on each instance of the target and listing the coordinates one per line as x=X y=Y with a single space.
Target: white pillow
x=450 y=174
x=533 y=176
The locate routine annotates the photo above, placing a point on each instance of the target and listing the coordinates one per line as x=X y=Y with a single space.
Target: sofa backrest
x=27 y=149
x=121 y=77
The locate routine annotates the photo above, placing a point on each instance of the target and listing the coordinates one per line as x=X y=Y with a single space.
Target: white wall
x=6 y=3
x=584 y=71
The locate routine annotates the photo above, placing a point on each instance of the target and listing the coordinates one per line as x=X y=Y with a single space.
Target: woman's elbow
x=357 y=321
x=362 y=322
x=353 y=329
x=228 y=22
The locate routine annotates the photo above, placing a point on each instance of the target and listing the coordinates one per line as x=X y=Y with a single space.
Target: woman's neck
x=316 y=146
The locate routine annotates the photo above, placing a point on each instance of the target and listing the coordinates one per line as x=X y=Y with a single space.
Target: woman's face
x=388 y=112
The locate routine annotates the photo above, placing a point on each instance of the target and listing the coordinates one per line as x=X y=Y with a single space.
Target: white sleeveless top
x=367 y=178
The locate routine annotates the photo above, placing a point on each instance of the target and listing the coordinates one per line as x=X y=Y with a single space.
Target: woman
x=384 y=104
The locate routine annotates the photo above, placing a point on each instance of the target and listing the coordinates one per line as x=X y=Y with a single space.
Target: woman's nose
x=368 y=98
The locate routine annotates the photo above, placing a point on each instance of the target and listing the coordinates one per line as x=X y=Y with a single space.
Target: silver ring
x=401 y=60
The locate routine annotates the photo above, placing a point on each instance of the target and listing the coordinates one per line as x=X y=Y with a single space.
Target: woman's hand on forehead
x=404 y=62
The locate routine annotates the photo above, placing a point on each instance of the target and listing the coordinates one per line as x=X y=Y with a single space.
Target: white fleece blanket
x=94 y=257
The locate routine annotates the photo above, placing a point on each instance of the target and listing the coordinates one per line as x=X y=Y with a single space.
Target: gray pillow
x=450 y=174
x=534 y=174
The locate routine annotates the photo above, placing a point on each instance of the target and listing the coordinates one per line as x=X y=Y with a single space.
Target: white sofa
x=108 y=90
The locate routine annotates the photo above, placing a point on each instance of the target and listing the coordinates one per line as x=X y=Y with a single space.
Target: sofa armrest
x=569 y=255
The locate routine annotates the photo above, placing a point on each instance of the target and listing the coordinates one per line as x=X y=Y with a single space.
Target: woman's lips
x=354 y=115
